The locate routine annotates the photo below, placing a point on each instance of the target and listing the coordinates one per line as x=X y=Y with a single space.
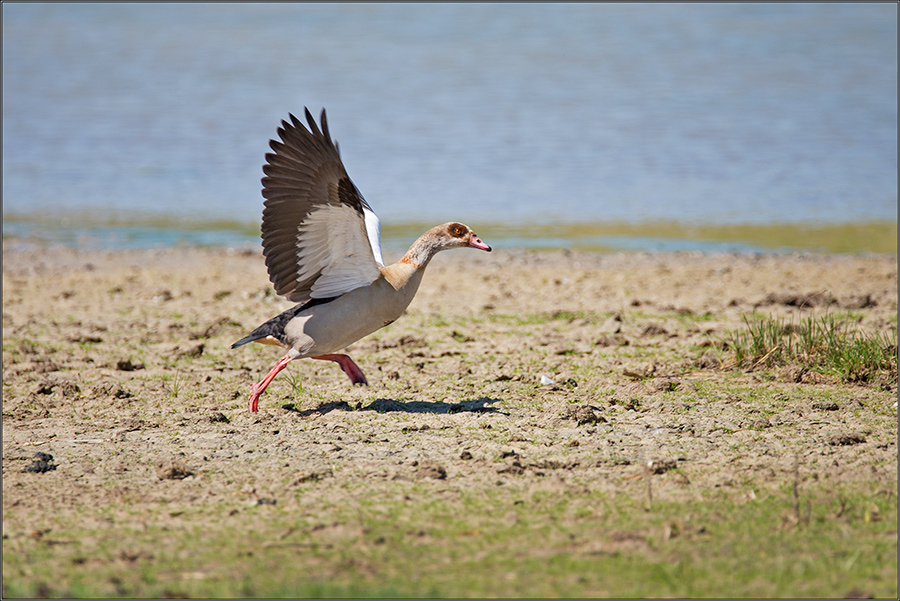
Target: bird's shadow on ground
x=479 y=405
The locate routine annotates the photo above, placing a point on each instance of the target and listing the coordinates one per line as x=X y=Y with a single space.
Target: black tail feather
x=250 y=338
x=275 y=326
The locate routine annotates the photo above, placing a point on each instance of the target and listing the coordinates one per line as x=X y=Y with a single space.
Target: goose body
x=321 y=241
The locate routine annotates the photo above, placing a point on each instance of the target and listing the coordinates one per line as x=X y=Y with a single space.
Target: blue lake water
x=482 y=113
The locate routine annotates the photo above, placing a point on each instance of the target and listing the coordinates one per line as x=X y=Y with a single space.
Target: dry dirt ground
x=538 y=373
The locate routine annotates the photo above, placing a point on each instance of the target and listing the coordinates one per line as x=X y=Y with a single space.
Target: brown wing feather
x=304 y=172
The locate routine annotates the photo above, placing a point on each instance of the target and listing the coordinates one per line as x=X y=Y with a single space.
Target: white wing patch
x=334 y=240
x=373 y=229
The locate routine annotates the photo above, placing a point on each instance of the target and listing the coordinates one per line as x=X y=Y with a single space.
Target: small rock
x=43 y=463
x=825 y=406
x=655 y=330
x=45 y=387
x=172 y=470
x=54 y=384
x=465 y=455
x=663 y=384
x=661 y=466
x=82 y=339
x=431 y=470
x=39 y=467
x=219 y=418
x=641 y=372
x=109 y=389
x=515 y=468
x=127 y=365
x=846 y=439
x=584 y=414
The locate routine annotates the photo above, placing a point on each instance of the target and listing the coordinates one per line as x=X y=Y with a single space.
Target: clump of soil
x=43 y=462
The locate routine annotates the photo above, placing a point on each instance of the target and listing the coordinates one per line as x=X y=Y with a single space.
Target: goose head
x=456 y=235
x=442 y=237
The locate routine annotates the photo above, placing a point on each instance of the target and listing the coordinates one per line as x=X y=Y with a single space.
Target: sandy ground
x=117 y=364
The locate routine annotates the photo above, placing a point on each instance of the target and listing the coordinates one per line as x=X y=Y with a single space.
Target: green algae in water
x=93 y=231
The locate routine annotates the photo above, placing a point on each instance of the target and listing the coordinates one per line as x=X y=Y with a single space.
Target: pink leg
x=350 y=368
x=260 y=388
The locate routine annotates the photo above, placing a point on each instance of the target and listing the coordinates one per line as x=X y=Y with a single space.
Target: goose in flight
x=322 y=245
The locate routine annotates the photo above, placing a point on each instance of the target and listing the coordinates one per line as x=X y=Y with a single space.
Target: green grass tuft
x=294 y=380
x=826 y=344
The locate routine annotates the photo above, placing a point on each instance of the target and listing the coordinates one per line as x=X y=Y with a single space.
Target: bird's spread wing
x=320 y=237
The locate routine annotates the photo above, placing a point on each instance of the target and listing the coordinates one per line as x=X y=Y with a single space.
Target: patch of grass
x=477 y=544
x=435 y=321
x=295 y=382
x=826 y=344
x=173 y=383
x=692 y=318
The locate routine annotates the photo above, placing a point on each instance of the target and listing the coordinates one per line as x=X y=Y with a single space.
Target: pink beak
x=475 y=242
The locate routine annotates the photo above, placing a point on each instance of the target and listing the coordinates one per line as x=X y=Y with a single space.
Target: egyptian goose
x=322 y=245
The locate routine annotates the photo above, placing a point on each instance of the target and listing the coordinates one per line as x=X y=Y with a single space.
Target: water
x=122 y=114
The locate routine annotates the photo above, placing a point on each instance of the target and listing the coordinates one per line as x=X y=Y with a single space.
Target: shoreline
x=875 y=237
